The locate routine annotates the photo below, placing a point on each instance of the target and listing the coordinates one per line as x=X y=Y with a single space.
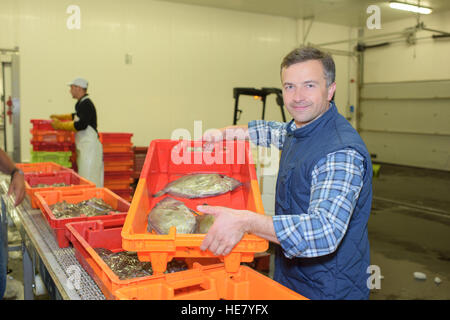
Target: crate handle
x=177 y=285
x=77 y=192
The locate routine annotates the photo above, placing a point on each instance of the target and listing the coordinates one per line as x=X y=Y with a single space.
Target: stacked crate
x=118 y=159
x=139 y=159
x=50 y=145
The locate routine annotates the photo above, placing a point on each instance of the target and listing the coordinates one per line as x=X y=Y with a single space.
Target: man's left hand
x=17 y=186
x=228 y=229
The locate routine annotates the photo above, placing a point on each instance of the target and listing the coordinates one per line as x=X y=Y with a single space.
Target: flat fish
x=171 y=212
x=200 y=185
x=204 y=222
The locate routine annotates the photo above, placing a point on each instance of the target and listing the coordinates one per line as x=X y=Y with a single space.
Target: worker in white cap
x=84 y=123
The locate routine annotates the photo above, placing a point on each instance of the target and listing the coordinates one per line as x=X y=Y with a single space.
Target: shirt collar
x=308 y=128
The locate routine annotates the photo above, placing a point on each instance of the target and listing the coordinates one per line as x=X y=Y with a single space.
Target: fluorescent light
x=409 y=7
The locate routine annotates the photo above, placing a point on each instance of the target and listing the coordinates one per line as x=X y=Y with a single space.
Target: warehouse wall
x=406 y=101
x=427 y=60
x=185 y=61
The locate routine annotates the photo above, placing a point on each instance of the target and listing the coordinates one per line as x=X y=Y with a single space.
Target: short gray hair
x=303 y=54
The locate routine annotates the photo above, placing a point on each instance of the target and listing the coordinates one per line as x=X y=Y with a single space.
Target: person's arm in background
x=17 y=185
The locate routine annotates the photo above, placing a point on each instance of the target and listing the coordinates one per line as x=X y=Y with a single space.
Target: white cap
x=79 y=82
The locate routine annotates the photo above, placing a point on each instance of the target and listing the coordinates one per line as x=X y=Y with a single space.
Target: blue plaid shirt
x=336 y=182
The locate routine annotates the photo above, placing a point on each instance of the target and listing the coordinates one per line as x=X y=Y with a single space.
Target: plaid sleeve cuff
x=265 y=133
x=289 y=233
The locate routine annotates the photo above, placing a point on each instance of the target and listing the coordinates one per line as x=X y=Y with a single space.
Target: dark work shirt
x=85 y=110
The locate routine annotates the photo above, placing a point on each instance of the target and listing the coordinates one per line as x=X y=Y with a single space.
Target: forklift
x=257 y=94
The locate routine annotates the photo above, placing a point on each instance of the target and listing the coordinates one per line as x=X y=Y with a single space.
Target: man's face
x=76 y=91
x=305 y=91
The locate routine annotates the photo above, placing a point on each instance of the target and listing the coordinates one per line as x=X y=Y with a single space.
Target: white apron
x=89 y=156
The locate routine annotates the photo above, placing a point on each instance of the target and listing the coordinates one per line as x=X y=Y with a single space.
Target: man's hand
x=17 y=186
x=55 y=123
x=228 y=229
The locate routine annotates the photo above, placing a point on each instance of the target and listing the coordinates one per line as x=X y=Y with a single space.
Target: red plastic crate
x=47 y=198
x=124 y=193
x=163 y=165
x=118 y=156
x=41 y=167
x=41 y=124
x=53 y=136
x=71 y=178
x=118 y=161
x=115 y=137
x=118 y=175
x=88 y=235
x=52 y=146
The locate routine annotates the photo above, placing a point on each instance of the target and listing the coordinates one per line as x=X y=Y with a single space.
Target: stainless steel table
x=62 y=275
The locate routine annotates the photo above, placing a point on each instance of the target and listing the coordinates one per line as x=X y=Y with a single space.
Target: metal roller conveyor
x=59 y=270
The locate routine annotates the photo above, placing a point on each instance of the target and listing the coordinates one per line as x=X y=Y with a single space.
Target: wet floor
x=409 y=231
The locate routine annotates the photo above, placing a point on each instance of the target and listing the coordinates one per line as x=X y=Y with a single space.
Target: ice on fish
x=171 y=212
x=200 y=185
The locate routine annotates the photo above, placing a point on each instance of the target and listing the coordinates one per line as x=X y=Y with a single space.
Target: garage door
x=407 y=123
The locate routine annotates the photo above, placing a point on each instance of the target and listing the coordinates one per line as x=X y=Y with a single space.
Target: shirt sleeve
x=337 y=180
x=265 y=133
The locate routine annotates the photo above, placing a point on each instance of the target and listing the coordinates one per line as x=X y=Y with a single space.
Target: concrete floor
x=409 y=231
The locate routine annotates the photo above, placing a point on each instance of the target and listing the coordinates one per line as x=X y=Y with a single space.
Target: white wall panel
x=405 y=99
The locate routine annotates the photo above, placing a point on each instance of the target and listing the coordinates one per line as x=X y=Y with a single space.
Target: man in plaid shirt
x=323 y=194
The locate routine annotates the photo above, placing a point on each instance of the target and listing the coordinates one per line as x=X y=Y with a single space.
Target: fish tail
x=159 y=193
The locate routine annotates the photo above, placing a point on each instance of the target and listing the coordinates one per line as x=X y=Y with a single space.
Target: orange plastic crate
x=87 y=235
x=47 y=198
x=115 y=137
x=118 y=165
x=114 y=147
x=68 y=177
x=159 y=169
x=52 y=136
x=210 y=282
x=41 y=167
x=118 y=184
